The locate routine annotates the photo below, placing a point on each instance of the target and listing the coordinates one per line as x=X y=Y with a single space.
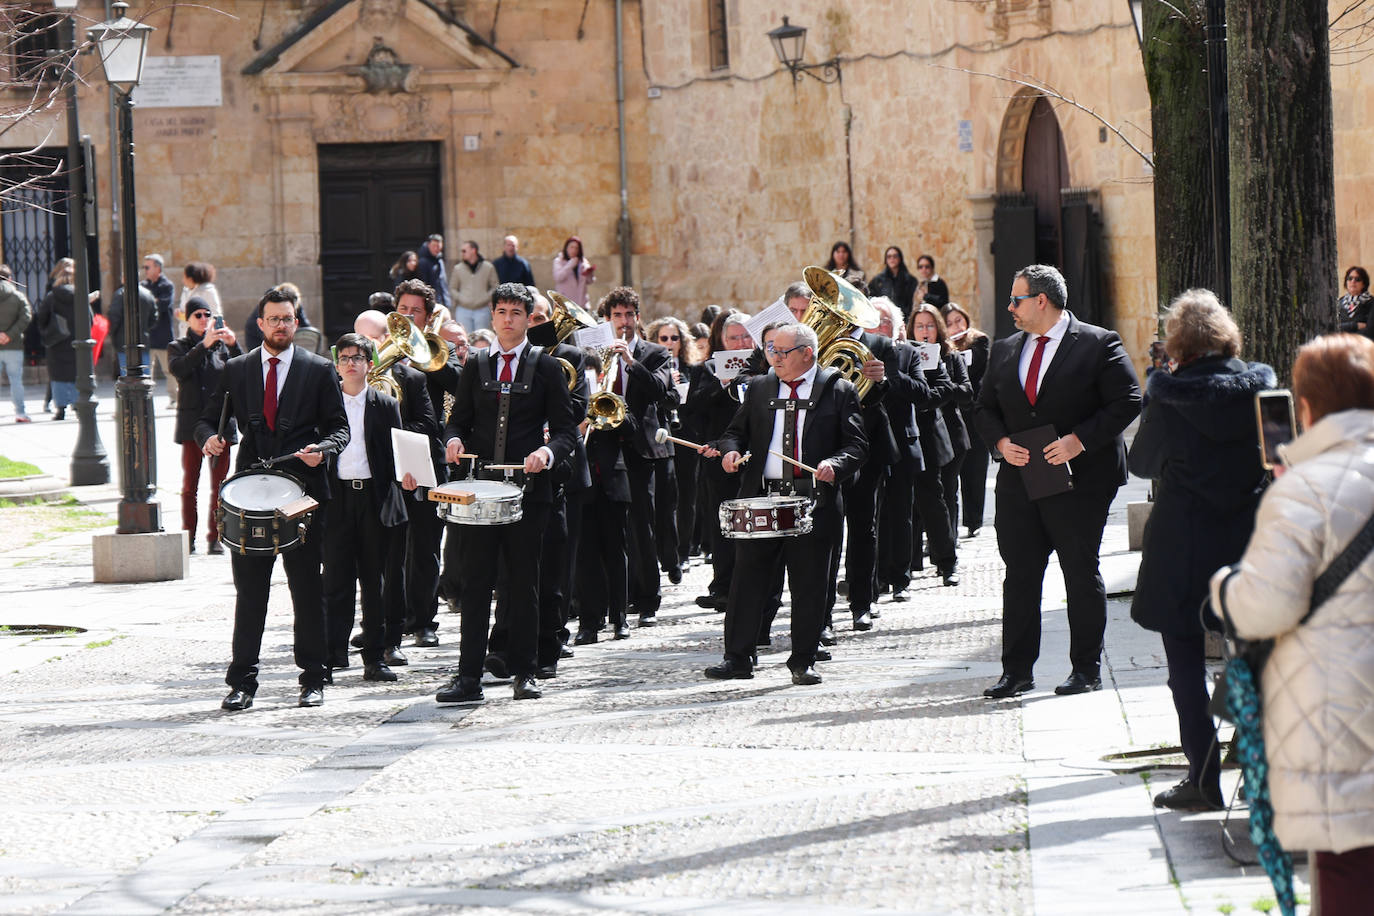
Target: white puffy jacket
x=1318 y=686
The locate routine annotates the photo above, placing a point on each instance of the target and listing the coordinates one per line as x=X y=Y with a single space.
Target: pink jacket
x=572 y=280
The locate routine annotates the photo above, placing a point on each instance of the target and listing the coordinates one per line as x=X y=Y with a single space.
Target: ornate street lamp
x=789 y=43
x=121 y=44
x=89 y=463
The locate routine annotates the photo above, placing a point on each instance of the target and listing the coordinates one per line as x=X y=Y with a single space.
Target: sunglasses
x=195 y=315
x=665 y=337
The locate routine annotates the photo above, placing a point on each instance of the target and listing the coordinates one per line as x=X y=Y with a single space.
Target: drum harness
x=504 y=390
x=796 y=486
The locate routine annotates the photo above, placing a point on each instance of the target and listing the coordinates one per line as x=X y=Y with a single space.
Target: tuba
x=403 y=341
x=568 y=317
x=836 y=306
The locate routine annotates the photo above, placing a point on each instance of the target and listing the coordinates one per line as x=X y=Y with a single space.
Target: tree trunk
x=1283 y=215
x=1175 y=70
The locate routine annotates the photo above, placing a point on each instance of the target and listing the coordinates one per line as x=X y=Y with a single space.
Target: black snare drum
x=263 y=511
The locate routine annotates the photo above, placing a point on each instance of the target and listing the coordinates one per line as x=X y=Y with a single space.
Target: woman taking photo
x=894 y=281
x=1198 y=440
x=1318 y=684
x=973 y=346
x=1352 y=310
x=929 y=287
x=676 y=481
x=572 y=272
x=842 y=262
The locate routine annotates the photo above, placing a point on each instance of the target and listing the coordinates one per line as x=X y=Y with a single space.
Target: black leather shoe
x=546 y=672
x=707 y=601
x=584 y=638
x=675 y=574
x=823 y=655
x=622 y=631
x=378 y=672
x=729 y=670
x=863 y=621
x=973 y=531
x=874 y=613
x=357 y=641
x=426 y=638
x=1186 y=796
x=237 y=701
x=527 y=689
x=395 y=658
x=1079 y=682
x=842 y=588
x=565 y=652
x=460 y=690
x=214 y=547
x=1008 y=686
x=806 y=677
x=191 y=547
x=496 y=667
x=311 y=696
x=648 y=620
x=950 y=576
x=899 y=593
x=827 y=637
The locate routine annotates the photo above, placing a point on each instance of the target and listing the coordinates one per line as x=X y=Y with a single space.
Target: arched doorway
x=1044 y=174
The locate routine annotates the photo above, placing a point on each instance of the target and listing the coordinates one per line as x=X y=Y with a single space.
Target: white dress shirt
x=283 y=366
x=498 y=357
x=352 y=463
x=775 y=468
x=1055 y=335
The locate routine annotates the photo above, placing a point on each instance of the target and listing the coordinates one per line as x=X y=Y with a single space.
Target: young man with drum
x=506 y=397
x=288 y=405
x=810 y=415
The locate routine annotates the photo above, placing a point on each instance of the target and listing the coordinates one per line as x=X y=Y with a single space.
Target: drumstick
x=504 y=467
x=224 y=417
x=805 y=467
x=662 y=436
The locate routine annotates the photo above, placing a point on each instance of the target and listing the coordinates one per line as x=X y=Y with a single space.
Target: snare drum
x=765 y=517
x=263 y=511
x=479 y=502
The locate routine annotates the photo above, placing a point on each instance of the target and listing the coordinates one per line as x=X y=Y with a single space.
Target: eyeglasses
x=195 y=315
x=355 y=360
x=279 y=321
x=774 y=351
x=663 y=338
x=1016 y=300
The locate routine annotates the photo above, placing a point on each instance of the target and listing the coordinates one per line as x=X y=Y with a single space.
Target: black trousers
x=355 y=551
x=641 y=546
x=396 y=620
x=552 y=567
x=973 y=477
x=252 y=579
x=896 y=505
x=686 y=462
x=720 y=486
x=481 y=550
x=666 y=498
x=1187 y=658
x=1069 y=525
x=602 y=580
x=424 y=532
x=807 y=559
x=861 y=529
x=932 y=521
x=949 y=488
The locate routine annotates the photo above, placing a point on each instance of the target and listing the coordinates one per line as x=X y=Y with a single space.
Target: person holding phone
x=1198 y=439
x=572 y=272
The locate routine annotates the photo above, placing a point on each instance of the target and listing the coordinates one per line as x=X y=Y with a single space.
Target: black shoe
x=823 y=655
x=565 y=652
x=426 y=638
x=842 y=588
x=527 y=689
x=214 y=547
x=496 y=667
x=874 y=613
x=584 y=637
x=899 y=593
x=1008 y=686
x=1079 y=682
x=237 y=701
x=395 y=658
x=378 y=672
x=806 y=677
x=329 y=677
x=729 y=670
x=973 y=530
x=311 y=696
x=338 y=661
x=708 y=602
x=61 y=414
x=863 y=621
x=827 y=637
x=622 y=631
x=191 y=547
x=460 y=690
x=546 y=672
x=357 y=641
x=454 y=607
x=648 y=620
x=1186 y=796
x=951 y=578
x=675 y=574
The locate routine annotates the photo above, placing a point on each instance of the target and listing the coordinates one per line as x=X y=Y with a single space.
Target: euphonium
x=567 y=317
x=403 y=341
x=836 y=307
x=438 y=347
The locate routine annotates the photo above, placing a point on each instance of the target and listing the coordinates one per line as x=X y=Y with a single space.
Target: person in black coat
x=894 y=281
x=939 y=446
x=929 y=287
x=56 y=321
x=1198 y=440
x=196 y=362
x=973 y=346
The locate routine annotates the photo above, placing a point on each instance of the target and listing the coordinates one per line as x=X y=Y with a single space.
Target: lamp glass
x=1138 y=17
x=65 y=4
x=789 y=42
x=123 y=45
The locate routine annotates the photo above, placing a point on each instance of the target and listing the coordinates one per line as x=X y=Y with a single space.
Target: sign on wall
x=180 y=82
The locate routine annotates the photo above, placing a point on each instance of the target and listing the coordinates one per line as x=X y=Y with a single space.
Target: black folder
x=1039 y=476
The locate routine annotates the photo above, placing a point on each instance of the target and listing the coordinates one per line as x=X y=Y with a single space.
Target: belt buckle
x=356 y=483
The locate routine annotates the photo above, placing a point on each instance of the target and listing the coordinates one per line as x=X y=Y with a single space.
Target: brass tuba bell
x=568 y=317
x=836 y=307
x=403 y=341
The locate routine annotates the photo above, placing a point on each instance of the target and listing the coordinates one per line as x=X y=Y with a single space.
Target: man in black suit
x=286 y=401
x=810 y=412
x=644 y=379
x=367 y=515
x=506 y=397
x=1076 y=377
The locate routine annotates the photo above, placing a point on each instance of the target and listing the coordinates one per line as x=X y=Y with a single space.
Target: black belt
x=356 y=483
x=802 y=486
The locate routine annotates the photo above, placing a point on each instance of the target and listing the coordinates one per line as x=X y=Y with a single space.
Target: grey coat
x=15 y=315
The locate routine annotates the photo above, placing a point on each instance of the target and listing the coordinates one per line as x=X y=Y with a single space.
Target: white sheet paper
x=966 y=356
x=777 y=311
x=411 y=452
x=927 y=356
x=603 y=335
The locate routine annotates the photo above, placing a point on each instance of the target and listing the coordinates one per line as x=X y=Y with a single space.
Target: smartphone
x=1277 y=426
x=219 y=322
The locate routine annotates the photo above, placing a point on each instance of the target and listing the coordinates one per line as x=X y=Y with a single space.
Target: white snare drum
x=264 y=512
x=766 y=517
x=479 y=502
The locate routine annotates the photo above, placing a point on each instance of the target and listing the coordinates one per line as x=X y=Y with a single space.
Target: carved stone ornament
x=362 y=119
x=384 y=71
x=380 y=15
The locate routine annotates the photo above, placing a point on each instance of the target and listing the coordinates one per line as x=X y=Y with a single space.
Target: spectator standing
x=572 y=272
x=474 y=278
x=1318 y=684
x=197 y=360
x=147 y=306
x=895 y=281
x=407 y=267
x=430 y=267
x=15 y=315
x=510 y=266
x=929 y=287
x=1352 y=310
x=198 y=279
x=973 y=346
x=159 y=329
x=57 y=319
x=842 y=262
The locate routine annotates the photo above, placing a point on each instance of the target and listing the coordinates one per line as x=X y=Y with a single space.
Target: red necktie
x=269 y=394
x=1033 y=373
x=506 y=374
x=796 y=428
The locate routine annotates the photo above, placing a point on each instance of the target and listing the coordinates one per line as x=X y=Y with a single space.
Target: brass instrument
x=836 y=307
x=403 y=341
x=606 y=409
x=438 y=348
x=567 y=317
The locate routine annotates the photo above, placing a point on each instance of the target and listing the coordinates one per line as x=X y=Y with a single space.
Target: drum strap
x=504 y=390
x=790 y=429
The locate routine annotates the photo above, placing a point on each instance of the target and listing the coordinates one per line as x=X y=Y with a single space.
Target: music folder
x=411 y=452
x=1040 y=477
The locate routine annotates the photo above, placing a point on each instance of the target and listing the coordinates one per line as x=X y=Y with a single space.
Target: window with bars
x=35 y=51
x=717 y=38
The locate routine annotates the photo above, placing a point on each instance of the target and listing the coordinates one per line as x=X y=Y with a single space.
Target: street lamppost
x=89 y=463
x=789 y=43
x=122 y=44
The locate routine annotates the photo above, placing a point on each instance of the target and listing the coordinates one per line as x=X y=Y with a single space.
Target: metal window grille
x=717 y=38
x=36 y=54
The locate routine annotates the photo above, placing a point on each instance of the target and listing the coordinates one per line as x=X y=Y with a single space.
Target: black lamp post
x=122 y=44
x=89 y=463
x=789 y=42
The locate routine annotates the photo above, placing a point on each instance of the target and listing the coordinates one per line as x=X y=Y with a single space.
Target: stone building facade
x=348 y=129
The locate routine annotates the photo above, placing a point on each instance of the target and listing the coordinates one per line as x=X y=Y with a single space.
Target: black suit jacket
x=896 y=385
x=381 y=414
x=649 y=381
x=547 y=402
x=833 y=430
x=309 y=410
x=913 y=394
x=1089 y=389
x=574 y=471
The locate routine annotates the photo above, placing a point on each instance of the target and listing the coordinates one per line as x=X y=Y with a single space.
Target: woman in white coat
x=1318 y=685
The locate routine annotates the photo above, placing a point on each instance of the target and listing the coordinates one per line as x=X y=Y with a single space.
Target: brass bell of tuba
x=403 y=341
x=836 y=307
x=567 y=317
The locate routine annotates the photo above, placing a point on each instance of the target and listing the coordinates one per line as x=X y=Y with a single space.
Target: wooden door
x=1044 y=174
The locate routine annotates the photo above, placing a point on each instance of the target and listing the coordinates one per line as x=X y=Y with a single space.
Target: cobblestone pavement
x=633 y=786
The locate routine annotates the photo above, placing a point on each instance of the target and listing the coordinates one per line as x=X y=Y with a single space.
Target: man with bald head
x=510 y=267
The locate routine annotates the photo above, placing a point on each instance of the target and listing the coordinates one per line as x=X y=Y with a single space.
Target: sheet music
x=777 y=311
x=597 y=338
x=927 y=356
x=411 y=453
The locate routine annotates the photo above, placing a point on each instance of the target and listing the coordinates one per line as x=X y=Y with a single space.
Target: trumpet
x=606 y=409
